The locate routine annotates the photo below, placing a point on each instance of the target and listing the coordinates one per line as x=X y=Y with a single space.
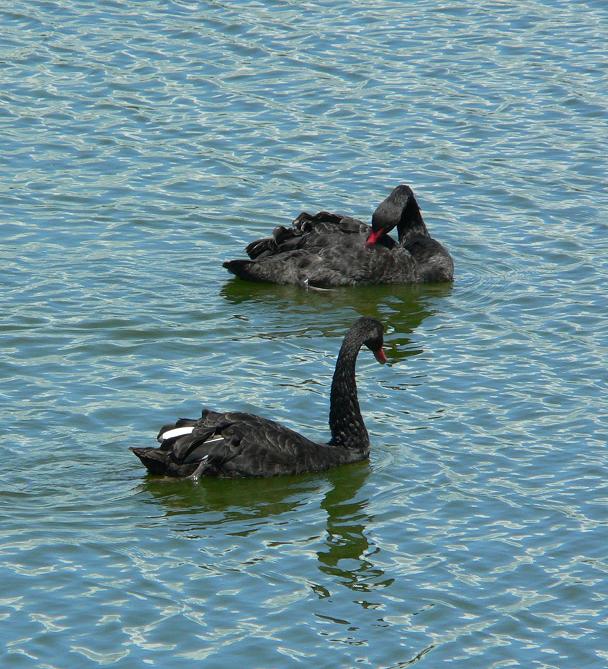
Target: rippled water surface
x=144 y=143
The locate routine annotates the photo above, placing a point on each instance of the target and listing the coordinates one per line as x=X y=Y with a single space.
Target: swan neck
x=411 y=222
x=345 y=420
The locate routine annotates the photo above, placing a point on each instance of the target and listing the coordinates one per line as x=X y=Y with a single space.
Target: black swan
x=233 y=445
x=328 y=250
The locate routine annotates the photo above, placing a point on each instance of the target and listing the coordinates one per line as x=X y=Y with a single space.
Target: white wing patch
x=214 y=440
x=176 y=432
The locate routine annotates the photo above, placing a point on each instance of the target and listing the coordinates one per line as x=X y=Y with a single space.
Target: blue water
x=144 y=143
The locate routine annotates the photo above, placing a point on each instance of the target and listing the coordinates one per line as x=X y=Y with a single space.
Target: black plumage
x=236 y=444
x=328 y=250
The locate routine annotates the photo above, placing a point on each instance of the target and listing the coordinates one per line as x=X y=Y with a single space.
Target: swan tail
x=181 y=455
x=154 y=460
x=244 y=269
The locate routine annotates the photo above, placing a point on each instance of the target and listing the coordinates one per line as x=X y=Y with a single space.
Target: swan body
x=237 y=444
x=327 y=250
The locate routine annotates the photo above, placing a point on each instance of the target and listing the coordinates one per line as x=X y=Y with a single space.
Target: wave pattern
x=142 y=144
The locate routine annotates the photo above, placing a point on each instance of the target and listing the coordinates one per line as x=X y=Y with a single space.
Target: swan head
x=399 y=209
x=373 y=337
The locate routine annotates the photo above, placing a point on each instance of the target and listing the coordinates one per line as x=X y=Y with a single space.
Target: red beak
x=379 y=355
x=374 y=236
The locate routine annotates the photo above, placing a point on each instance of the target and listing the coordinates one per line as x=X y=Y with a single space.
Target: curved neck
x=411 y=222
x=345 y=420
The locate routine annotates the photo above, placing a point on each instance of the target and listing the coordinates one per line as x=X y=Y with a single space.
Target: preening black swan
x=233 y=445
x=328 y=250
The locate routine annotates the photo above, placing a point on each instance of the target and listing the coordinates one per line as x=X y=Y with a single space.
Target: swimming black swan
x=328 y=250
x=236 y=444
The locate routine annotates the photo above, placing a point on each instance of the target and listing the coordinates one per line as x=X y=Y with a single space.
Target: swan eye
x=375 y=343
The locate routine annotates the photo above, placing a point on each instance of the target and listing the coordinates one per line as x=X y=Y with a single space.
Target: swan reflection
x=285 y=310
x=244 y=507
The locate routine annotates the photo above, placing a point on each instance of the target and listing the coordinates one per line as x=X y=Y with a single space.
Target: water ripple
x=144 y=146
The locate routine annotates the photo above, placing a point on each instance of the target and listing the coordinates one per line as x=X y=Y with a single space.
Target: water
x=144 y=143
